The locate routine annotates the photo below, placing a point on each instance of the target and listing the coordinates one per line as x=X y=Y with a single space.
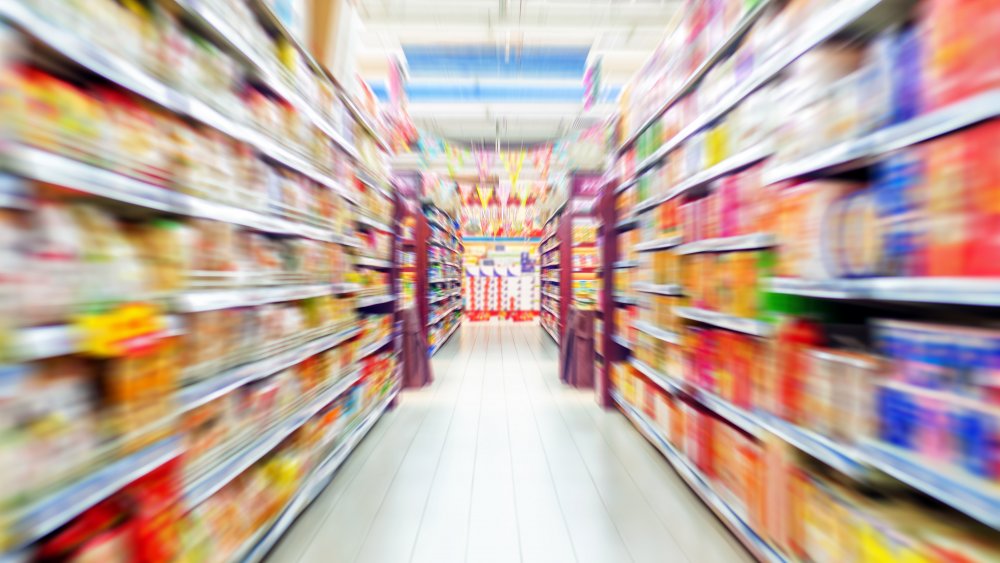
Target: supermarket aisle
x=497 y=461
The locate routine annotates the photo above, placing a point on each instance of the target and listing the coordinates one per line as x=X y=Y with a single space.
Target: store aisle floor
x=498 y=461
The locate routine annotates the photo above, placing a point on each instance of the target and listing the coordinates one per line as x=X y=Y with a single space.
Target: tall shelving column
x=551 y=250
x=443 y=255
x=607 y=349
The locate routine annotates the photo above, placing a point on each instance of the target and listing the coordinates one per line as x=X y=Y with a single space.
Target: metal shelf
x=977 y=498
x=662 y=380
x=223 y=29
x=214 y=299
x=32 y=343
x=233 y=466
x=843 y=458
x=625 y=299
x=448 y=295
x=366 y=221
x=375 y=347
x=56 y=509
x=51 y=168
x=551 y=334
x=620 y=340
x=822 y=26
x=258 y=547
x=669 y=289
x=752 y=327
x=658 y=333
x=718 y=54
x=372 y=262
x=438 y=345
x=738 y=161
x=859 y=152
x=728 y=244
x=129 y=76
x=659 y=244
x=203 y=392
x=373 y=300
x=444 y=314
x=760 y=549
x=984 y=292
x=627 y=224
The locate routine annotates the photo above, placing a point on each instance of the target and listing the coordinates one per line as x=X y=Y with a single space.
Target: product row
x=249 y=74
x=152 y=519
x=796 y=509
x=63 y=257
x=936 y=55
x=73 y=418
x=445 y=277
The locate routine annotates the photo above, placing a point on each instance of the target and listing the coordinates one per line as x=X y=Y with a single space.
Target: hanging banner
x=452 y=159
x=484 y=194
x=465 y=192
x=513 y=165
x=484 y=162
x=503 y=192
x=544 y=161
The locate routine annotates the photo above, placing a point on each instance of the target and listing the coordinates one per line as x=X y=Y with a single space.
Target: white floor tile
x=499 y=461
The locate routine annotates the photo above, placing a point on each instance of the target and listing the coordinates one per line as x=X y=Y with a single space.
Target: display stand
x=575 y=269
x=411 y=264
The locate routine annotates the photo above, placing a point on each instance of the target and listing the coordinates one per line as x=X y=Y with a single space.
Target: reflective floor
x=498 y=461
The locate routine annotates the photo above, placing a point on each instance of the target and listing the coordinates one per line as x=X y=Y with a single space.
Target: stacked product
x=185 y=353
x=478 y=289
x=445 y=276
x=496 y=288
x=523 y=290
x=586 y=262
x=768 y=170
x=551 y=251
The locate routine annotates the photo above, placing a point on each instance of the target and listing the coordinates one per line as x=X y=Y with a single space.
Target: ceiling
x=479 y=71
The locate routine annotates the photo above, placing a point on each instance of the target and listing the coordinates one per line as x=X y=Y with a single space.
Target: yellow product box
x=639 y=392
x=615 y=374
x=643 y=353
x=666 y=267
x=661 y=357
x=629 y=389
x=717 y=143
x=661 y=412
x=622 y=282
x=746 y=279
x=662 y=312
x=722 y=281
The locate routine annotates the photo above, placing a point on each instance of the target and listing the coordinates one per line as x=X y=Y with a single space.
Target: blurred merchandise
x=180 y=223
x=804 y=188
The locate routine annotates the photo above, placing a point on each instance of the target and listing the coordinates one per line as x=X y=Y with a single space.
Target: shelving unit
x=704 y=282
x=439 y=273
x=563 y=273
x=700 y=484
x=554 y=278
x=332 y=360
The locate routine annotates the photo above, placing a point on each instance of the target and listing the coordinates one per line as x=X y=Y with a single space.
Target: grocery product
x=171 y=279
